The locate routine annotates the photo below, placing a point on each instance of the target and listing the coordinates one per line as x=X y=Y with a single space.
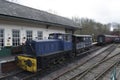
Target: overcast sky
x=104 y=11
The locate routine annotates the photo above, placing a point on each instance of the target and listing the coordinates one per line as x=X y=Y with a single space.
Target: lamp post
x=93 y=37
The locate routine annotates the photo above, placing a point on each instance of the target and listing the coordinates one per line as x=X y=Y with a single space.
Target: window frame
x=40 y=36
x=15 y=37
x=29 y=36
x=2 y=42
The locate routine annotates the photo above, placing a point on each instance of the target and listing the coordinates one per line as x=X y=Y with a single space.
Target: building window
x=40 y=35
x=1 y=38
x=29 y=35
x=15 y=37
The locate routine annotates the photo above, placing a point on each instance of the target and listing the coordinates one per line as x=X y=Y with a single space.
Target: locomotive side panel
x=48 y=47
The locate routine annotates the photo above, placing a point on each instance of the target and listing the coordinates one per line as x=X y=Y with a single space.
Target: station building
x=19 y=23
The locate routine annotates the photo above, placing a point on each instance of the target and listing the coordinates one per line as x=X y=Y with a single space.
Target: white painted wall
x=8 y=26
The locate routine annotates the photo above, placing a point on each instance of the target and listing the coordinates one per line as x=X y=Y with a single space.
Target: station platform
x=7 y=64
x=7 y=59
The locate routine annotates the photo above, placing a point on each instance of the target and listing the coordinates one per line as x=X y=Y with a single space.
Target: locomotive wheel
x=61 y=60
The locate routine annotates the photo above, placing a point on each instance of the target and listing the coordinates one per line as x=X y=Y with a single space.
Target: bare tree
x=91 y=27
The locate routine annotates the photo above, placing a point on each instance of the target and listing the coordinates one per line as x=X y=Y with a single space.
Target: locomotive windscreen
x=55 y=36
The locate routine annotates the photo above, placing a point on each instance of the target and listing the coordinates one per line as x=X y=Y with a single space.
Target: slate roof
x=19 y=11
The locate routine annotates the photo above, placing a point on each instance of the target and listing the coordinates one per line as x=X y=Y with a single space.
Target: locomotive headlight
x=28 y=63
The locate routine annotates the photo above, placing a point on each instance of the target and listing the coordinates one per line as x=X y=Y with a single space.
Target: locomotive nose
x=27 y=63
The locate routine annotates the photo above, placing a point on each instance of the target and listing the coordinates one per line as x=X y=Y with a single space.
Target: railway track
x=26 y=75
x=79 y=69
x=111 y=72
x=14 y=75
x=96 y=71
x=98 y=77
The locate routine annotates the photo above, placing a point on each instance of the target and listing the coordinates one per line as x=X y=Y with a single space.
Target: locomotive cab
x=56 y=36
x=66 y=40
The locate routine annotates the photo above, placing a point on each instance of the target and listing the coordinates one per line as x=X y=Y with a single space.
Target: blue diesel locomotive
x=39 y=54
